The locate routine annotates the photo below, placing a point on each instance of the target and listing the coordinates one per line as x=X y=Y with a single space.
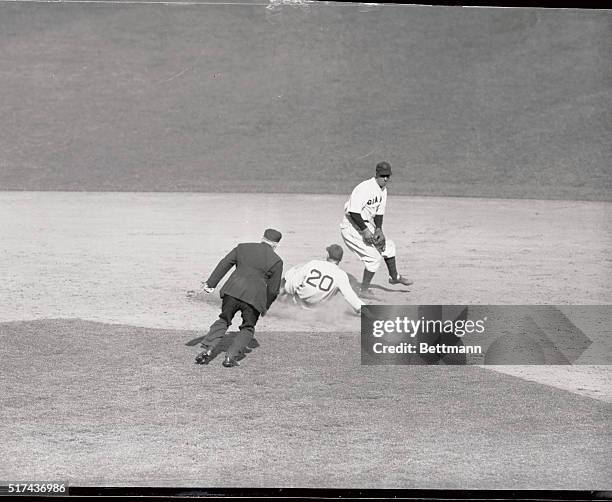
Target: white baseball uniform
x=369 y=200
x=319 y=280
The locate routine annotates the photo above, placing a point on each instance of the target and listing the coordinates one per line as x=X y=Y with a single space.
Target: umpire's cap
x=383 y=169
x=335 y=252
x=272 y=235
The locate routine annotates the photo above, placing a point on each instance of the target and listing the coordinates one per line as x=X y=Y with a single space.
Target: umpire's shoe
x=400 y=280
x=204 y=357
x=230 y=362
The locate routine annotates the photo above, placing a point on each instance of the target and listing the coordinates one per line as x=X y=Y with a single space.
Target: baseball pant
x=371 y=257
x=292 y=280
x=218 y=329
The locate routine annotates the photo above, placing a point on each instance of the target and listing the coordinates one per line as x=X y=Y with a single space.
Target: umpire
x=251 y=289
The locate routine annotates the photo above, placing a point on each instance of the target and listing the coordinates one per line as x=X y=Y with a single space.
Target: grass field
x=275 y=115
x=111 y=405
x=233 y=98
x=111 y=395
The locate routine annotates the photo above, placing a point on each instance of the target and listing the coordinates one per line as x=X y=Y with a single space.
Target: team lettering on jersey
x=375 y=200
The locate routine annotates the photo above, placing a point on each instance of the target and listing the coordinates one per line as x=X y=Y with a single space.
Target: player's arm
x=349 y=294
x=276 y=274
x=356 y=217
x=222 y=268
x=368 y=236
x=357 y=202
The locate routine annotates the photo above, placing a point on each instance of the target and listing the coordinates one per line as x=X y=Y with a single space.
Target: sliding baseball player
x=318 y=280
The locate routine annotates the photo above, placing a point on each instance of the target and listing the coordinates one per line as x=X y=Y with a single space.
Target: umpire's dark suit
x=251 y=288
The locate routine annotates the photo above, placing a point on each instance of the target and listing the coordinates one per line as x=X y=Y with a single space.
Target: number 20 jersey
x=319 y=280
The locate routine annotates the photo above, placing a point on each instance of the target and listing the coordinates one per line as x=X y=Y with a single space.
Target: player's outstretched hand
x=366 y=312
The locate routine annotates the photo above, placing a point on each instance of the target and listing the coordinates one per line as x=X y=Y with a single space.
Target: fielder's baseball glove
x=379 y=239
x=368 y=237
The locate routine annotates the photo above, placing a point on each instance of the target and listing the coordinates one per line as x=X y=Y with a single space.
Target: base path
x=128 y=258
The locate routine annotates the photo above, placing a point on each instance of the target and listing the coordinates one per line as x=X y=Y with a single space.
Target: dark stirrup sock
x=392 y=267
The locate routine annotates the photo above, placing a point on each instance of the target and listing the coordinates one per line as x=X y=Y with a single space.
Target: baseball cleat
x=400 y=280
x=203 y=357
x=230 y=362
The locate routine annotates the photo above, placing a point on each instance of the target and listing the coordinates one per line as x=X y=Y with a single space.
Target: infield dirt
x=508 y=104
x=129 y=259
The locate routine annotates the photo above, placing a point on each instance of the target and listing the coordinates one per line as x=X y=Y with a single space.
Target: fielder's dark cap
x=383 y=169
x=335 y=252
x=272 y=235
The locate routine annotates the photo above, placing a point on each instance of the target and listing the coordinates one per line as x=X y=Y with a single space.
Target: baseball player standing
x=362 y=231
x=251 y=289
x=318 y=280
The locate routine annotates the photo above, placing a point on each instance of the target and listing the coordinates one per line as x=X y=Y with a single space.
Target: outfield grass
x=233 y=98
x=198 y=98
